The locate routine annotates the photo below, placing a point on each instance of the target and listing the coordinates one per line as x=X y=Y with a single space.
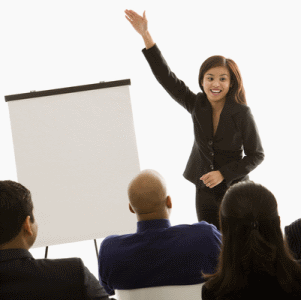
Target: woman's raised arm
x=140 y=25
x=174 y=86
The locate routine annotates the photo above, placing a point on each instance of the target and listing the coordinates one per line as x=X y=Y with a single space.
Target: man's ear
x=27 y=226
x=131 y=208
x=168 y=202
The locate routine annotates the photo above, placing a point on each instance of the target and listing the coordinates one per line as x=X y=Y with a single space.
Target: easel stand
x=95 y=244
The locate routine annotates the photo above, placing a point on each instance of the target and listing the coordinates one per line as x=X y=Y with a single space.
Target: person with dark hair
x=255 y=261
x=293 y=238
x=22 y=276
x=158 y=254
x=224 y=126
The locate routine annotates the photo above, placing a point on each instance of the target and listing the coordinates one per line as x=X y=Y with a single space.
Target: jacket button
x=211 y=153
x=210 y=142
x=211 y=167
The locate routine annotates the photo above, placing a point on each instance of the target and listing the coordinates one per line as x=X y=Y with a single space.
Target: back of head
x=293 y=237
x=15 y=206
x=147 y=194
x=251 y=227
x=252 y=240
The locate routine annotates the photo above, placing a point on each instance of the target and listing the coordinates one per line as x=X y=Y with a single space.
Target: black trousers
x=208 y=202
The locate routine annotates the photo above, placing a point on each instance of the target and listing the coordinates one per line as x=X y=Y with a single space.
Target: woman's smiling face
x=216 y=84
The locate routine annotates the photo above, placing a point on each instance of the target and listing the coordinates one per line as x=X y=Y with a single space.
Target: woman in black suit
x=223 y=124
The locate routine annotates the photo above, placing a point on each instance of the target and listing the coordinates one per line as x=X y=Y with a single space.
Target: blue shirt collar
x=152 y=225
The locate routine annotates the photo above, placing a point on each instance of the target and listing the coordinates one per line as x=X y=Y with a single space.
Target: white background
x=55 y=44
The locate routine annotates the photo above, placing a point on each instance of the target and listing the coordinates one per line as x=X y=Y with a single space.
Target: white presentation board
x=76 y=151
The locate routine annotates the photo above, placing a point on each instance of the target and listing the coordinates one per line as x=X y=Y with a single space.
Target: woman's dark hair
x=252 y=241
x=15 y=206
x=293 y=237
x=237 y=91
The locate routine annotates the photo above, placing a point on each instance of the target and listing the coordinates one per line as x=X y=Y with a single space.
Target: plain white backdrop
x=55 y=44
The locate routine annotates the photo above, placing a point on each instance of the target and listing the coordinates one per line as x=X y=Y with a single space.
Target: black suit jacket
x=236 y=132
x=23 y=277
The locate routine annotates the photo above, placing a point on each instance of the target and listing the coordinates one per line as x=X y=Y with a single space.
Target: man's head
x=148 y=196
x=18 y=228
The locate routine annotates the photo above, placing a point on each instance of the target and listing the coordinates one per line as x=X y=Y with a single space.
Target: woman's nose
x=215 y=84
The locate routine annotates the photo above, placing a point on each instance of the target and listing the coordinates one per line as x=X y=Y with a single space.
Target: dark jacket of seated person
x=158 y=254
x=255 y=261
x=22 y=276
x=293 y=238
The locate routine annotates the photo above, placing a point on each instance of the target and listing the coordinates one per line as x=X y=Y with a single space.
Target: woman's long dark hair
x=237 y=91
x=252 y=242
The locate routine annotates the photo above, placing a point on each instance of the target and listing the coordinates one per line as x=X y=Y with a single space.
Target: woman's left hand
x=212 y=179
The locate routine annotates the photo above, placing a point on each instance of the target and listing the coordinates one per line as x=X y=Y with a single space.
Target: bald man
x=157 y=254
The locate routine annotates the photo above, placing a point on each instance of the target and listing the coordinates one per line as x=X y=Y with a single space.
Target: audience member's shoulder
x=206 y=227
x=113 y=239
x=200 y=228
x=110 y=238
x=64 y=261
x=62 y=265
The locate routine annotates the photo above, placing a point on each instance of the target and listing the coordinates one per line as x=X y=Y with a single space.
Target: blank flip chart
x=76 y=151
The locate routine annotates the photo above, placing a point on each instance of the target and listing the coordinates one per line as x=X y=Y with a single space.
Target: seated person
x=254 y=262
x=158 y=254
x=22 y=276
x=293 y=238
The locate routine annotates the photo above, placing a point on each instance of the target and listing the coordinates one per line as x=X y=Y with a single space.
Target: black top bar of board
x=67 y=90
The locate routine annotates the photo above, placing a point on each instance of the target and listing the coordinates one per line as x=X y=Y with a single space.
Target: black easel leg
x=96 y=249
x=46 y=252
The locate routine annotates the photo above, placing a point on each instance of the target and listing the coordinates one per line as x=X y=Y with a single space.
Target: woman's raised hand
x=138 y=22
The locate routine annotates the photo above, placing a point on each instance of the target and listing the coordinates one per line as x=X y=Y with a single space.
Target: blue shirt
x=158 y=254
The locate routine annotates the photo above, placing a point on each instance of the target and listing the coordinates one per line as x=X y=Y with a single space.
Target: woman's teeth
x=215 y=91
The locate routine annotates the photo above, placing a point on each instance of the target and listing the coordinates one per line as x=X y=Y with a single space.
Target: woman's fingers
x=205 y=178
x=128 y=15
x=132 y=14
x=128 y=19
x=139 y=23
x=208 y=180
x=210 y=183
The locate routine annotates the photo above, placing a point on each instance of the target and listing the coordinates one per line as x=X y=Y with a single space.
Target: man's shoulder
x=198 y=233
x=72 y=264
x=113 y=241
x=24 y=256
x=111 y=238
x=198 y=228
x=202 y=224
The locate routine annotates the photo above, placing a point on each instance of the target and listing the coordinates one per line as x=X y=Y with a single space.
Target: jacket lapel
x=225 y=120
x=204 y=117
